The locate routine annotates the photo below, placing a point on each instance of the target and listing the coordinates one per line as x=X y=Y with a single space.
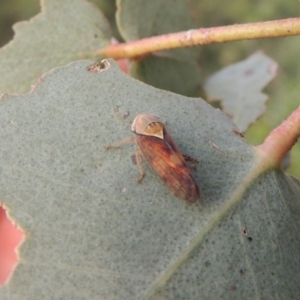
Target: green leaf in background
x=108 y=7
x=93 y=233
x=138 y=19
x=163 y=73
x=63 y=32
x=13 y=11
x=239 y=88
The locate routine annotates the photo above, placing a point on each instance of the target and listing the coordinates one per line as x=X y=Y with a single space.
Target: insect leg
x=189 y=158
x=130 y=139
x=138 y=156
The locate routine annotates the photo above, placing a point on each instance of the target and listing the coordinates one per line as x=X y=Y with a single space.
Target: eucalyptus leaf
x=63 y=32
x=91 y=232
x=239 y=87
x=137 y=19
x=167 y=73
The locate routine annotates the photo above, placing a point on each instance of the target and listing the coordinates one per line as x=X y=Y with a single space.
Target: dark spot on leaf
x=207 y=264
x=245 y=233
x=237 y=133
x=133 y=159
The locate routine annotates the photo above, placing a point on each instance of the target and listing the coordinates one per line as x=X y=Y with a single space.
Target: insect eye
x=133 y=127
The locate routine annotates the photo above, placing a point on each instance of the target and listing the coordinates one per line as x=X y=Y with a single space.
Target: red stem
x=280 y=140
x=202 y=36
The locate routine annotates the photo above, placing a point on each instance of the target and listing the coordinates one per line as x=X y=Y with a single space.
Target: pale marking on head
x=147 y=124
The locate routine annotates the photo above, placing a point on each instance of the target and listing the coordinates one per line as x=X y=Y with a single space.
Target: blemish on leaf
x=126 y=114
x=237 y=133
x=207 y=264
x=245 y=233
x=121 y=115
x=213 y=145
x=133 y=159
x=99 y=67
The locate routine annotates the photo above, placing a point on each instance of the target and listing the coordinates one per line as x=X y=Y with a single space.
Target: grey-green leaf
x=63 y=32
x=239 y=88
x=138 y=19
x=164 y=73
x=93 y=233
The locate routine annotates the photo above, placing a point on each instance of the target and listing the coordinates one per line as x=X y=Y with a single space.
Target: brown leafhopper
x=157 y=146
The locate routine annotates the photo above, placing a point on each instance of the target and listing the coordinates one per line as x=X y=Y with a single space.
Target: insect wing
x=166 y=159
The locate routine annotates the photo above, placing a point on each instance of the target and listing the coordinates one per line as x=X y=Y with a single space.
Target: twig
x=202 y=36
x=280 y=141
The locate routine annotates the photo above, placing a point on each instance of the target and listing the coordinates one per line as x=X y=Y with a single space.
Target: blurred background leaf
x=63 y=32
x=238 y=87
x=12 y=12
x=175 y=70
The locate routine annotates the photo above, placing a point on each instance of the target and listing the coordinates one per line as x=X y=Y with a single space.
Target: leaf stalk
x=280 y=141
